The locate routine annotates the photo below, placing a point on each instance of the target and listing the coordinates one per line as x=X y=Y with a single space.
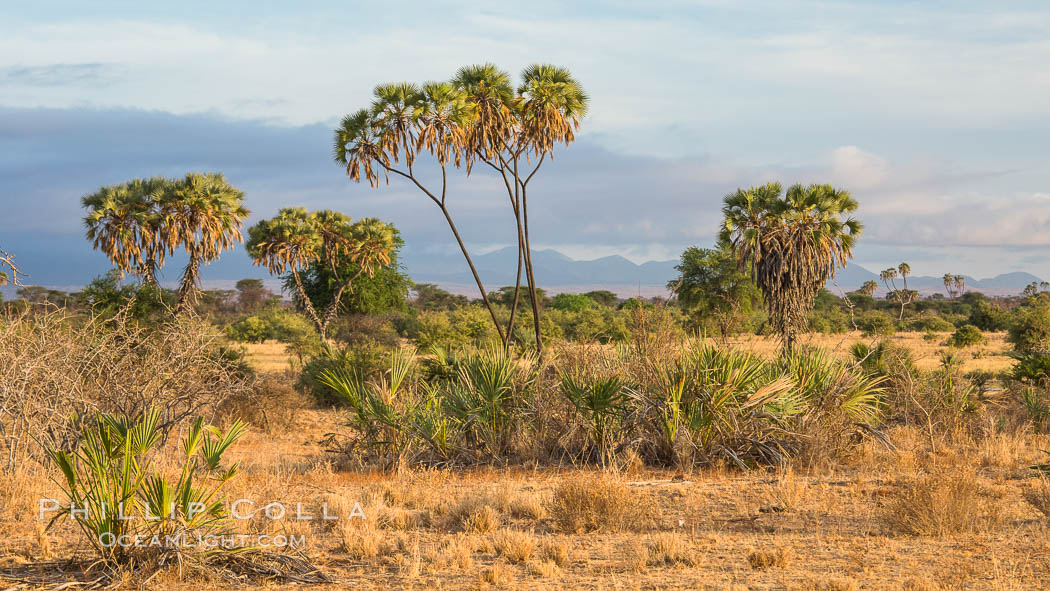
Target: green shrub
x=1031 y=367
x=363 y=363
x=274 y=324
x=988 y=316
x=967 y=335
x=1030 y=330
x=875 y=322
x=250 y=329
x=572 y=302
x=929 y=322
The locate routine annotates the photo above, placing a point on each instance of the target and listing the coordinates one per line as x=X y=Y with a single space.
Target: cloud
x=90 y=74
x=588 y=202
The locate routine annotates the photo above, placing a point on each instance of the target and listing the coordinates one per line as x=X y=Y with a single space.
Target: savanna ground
x=924 y=510
x=992 y=355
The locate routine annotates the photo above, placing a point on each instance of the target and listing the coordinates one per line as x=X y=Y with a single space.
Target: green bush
x=274 y=324
x=988 y=316
x=929 y=321
x=967 y=335
x=363 y=363
x=572 y=302
x=876 y=322
x=250 y=329
x=1030 y=330
x=1031 y=367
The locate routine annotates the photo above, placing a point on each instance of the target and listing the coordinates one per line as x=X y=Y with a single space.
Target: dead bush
x=272 y=403
x=557 y=550
x=513 y=545
x=944 y=503
x=56 y=365
x=589 y=503
x=475 y=516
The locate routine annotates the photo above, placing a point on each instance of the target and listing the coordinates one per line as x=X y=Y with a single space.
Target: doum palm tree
x=477 y=117
x=137 y=224
x=203 y=215
x=125 y=222
x=296 y=239
x=793 y=242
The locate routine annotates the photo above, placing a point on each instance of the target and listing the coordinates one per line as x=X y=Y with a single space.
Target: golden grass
x=990 y=356
x=512 y=528
x=267 y=357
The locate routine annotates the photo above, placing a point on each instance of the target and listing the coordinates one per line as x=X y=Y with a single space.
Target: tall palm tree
x=203 y=215
x=868 y=287
x=514 y=133
x=478 y=116
x=123 y=222
x=949 y=285
x=295 y=239
x=903 y=296
x=398 y=125
x=793 y=242
x=551 y=103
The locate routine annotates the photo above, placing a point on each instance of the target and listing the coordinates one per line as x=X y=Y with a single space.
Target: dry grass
x=1038 y=495
x=587 y=503
x=268 y=357
x=970 y=524
x=826 y=584
x=513 y=545
x=766 y=558
x=990 y=356
x=945 y=503
x=671 y=549
x=476 y=516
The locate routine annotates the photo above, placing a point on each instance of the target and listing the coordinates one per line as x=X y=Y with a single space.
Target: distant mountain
x=1004 y=284
x=552 y=268
x=557 y=272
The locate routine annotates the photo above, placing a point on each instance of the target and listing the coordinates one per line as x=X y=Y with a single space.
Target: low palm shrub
x=602 y=402
x=112 y=495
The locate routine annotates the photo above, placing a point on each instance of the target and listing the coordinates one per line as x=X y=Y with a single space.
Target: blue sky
x=934 y=114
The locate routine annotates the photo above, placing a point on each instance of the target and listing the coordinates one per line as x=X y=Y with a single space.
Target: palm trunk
x=477 y=279
x=189 y=289
x=309 y=306
x=517 y=291
x=148 y=271
x=530 y=276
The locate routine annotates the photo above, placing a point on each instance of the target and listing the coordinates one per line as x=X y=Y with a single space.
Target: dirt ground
x=826 y=530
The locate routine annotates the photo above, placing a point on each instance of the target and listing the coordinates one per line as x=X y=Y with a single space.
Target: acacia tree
x=295 y=239
x=903 y=296
x=477 y=117
x=793 y=242
x=140 y=222
x=713 y=286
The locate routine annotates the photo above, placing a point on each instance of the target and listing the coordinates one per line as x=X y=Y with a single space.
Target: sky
x=934 y=115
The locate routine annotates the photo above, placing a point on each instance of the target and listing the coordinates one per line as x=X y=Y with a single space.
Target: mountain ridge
x=554 y=269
